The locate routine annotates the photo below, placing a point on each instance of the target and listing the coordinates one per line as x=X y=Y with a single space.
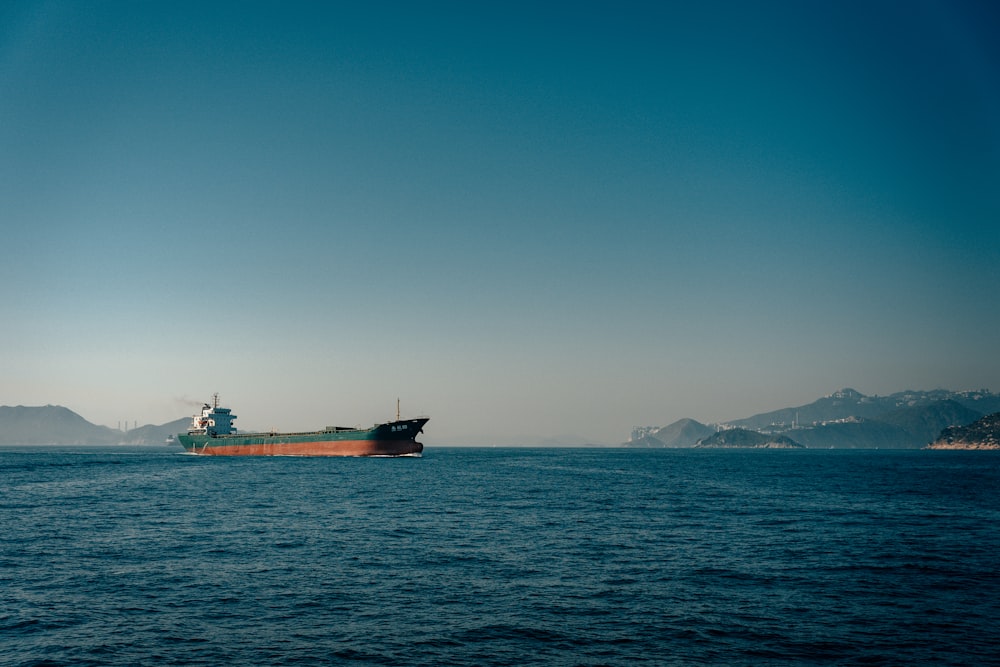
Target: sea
x=500 y=556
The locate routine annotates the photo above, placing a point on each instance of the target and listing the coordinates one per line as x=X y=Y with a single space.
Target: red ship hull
x=334 y=448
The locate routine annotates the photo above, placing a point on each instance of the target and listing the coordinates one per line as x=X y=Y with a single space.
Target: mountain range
x=844 y=419
x=56 y=425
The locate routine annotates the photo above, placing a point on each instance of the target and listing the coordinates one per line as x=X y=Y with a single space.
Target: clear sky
x=527 y=220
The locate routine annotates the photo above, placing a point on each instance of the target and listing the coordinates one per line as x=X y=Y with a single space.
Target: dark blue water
x=500 y=557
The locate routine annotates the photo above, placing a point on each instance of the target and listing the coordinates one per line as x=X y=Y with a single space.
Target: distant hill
x=982 y=434
x=848 y=403
x=854 y=434
x=839 y=405
x=56 y=425
x=682 y=433
x=50 y=425
x=911 y=427
x=924 y=422
x=742 y=438
x=845 y=419
x=155 y=435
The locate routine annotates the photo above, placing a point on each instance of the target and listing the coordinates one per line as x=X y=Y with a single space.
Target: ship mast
x=397 y=409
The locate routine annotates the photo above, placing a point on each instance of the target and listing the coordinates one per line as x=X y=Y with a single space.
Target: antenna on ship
x=397 y=409
x=215 y=400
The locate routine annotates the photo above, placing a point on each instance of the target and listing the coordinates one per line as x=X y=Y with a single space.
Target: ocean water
x=118 y=556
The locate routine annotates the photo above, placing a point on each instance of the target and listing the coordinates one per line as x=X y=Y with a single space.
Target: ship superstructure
x=213 y=420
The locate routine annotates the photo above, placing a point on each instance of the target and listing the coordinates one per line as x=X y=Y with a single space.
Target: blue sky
x=529 y=222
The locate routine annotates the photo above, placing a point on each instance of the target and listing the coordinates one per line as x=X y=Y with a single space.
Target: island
x=981 y=434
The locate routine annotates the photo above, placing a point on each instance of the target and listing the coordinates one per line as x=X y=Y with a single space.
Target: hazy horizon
x=514 y=218
x=508 y=439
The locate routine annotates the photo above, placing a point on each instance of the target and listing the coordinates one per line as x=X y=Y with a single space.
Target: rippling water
x=121 y=556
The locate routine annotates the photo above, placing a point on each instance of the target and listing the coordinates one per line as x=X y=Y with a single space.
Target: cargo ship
x=212 y=433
